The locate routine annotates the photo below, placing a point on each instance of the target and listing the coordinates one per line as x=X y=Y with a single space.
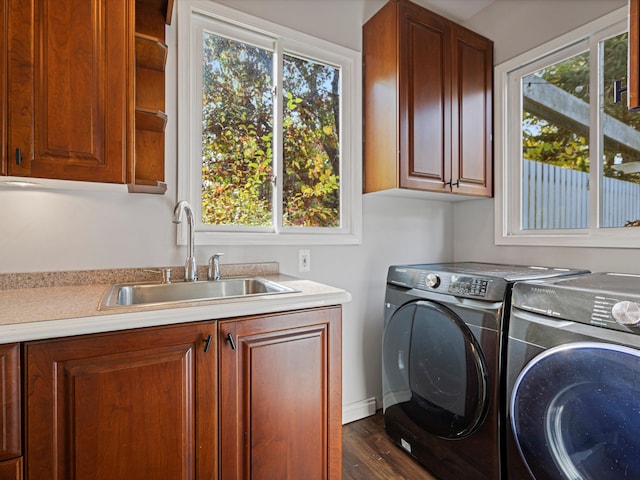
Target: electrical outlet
x=304 y=260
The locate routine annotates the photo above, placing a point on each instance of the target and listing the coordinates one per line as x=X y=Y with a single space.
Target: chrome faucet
x=213 y=273
x=190 y=268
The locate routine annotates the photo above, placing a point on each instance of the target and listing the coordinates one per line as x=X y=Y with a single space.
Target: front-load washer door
x=575 y=413
x=434 y=369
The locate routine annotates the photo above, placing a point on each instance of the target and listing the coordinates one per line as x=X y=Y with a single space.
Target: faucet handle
x=213 y=272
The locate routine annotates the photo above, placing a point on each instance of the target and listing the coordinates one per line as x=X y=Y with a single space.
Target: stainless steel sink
x=162 y=293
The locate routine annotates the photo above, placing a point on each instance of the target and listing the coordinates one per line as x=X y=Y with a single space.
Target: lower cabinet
x=10 y=418
x=11 y=469
x=138 y=404
x=261 y=402
x=280 y=396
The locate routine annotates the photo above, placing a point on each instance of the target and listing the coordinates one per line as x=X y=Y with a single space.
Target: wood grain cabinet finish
x=428 y=92
x=12 y=469
x=280 y=396
x=138 y=404
x=10 y=412
x=147 y=173
x=633 y=80
x=4 y=31
x=69 y=86
x=82 y=90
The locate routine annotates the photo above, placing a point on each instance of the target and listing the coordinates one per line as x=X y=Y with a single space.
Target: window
x=568 y=150
x=268 y=128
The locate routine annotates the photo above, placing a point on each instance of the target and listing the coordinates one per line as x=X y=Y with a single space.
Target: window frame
x=508 y=199
x=192 y=16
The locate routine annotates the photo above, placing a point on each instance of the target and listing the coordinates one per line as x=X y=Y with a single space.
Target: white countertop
x=51 y=312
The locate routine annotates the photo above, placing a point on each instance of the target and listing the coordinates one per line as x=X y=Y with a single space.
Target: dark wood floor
x=368 y=454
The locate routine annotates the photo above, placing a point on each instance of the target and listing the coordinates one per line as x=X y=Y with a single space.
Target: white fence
x=555 y=197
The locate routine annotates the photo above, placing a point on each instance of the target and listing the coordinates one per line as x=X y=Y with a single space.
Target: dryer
x=573 y=378
x=442 y=339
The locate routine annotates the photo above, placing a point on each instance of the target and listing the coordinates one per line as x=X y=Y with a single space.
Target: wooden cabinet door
x=3 y=86
x=122 y=406
x=633 y=76
x=433 y=79
x=70 y=87
x=11 y=469
x=10 y=416
x=472 y=114
x=424 y=99
x=280 y=396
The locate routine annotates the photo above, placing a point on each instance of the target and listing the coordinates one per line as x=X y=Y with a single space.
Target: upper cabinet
x=73 y=81
x=68 y=88
x=4 y=6
x=428 y=93
x=633 y=83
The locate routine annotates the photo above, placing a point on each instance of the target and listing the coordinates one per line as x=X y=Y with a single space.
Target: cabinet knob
x=451 y=184
x=618 y=90
x=18 y=156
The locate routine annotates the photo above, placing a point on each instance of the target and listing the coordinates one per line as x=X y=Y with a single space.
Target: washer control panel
x=468 y=286
x=458 y=284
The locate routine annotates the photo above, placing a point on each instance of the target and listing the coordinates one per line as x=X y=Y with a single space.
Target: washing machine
x=573 y=379
x=443 y=331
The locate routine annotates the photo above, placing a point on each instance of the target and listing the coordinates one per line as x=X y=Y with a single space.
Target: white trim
x=292 y=41
x=359 y=410
x=508 y=182
x=563 y=41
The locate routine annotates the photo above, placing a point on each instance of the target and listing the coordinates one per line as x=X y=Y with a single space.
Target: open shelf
x=151 y=120
x=148 y=169
x=151 y=52
x=147 y=186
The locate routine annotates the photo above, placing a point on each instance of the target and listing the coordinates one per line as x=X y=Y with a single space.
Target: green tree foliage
x=311 y=146
x=237 y=132
x=550 y=143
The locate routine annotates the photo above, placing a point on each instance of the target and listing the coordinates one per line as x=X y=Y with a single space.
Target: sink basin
x=161 y=293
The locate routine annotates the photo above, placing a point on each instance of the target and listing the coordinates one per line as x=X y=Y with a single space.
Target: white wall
x=51 y=230
x=515 y=28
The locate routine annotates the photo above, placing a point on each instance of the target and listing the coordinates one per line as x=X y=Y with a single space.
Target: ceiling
x=458 y=10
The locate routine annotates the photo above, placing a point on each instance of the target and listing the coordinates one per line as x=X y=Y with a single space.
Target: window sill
x=627 y=237
x=250 y=238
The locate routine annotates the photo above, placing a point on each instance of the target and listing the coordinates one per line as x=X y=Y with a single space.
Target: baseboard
x=358 y=410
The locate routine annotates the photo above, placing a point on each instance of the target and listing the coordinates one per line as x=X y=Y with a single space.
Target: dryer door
x=434 y=369
x=575 y=412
